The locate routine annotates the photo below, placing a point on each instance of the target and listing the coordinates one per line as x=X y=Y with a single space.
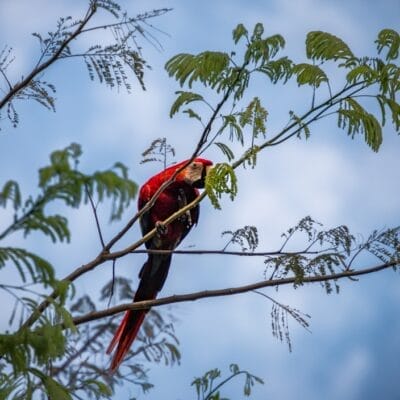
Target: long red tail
x=124 y=336
x=152 y=276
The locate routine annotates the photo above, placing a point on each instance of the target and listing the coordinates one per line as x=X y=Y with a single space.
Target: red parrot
x=181 y=191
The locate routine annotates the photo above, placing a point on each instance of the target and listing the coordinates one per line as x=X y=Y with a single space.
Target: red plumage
x=183 y=190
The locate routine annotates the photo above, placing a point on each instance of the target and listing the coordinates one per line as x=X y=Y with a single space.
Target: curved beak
x=201 y=182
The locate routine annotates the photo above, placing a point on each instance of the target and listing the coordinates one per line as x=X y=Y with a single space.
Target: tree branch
x=226 y=292
x=36 y=71
x=228 y=253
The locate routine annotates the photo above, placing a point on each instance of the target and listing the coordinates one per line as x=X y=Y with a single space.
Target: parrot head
x=195 y=173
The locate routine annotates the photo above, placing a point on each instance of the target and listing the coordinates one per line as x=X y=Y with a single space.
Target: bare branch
x=227 y=253
x=226 y=292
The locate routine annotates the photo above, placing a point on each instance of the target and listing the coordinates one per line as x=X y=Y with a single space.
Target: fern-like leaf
x=325 y=46
x=25 y=262
x=206 y=67
x=389 y=39
x=10 y=192
x=277 y=70
x=183 y=98
x=353 y=117
x=221 y=179
x=254 y=115
x=239 y=32
x=308 y=74
x=225 y=150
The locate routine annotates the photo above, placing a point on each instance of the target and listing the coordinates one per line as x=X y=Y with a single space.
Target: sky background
x=353 y=351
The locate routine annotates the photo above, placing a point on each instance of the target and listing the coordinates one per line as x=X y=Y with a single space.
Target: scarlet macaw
x=180 y=192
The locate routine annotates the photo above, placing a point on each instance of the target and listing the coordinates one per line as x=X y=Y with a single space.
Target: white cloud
x=350 y=374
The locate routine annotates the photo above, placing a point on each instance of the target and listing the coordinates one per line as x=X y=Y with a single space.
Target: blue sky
x=353 y=350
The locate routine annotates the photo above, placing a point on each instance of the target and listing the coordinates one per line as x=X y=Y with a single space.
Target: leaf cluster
x=220 y=179
x=246 y=238
x=29 y=351
x=75 y=365
x=325 y=253
x=280 y=321
x=328 y=251
x=230 y=74
x=84 y=370
x=208 y=387
x=159 y=151
x=223 y=73
x=112 y=64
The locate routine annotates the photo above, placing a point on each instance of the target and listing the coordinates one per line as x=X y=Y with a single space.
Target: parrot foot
x=182 y=202
x=161 y=228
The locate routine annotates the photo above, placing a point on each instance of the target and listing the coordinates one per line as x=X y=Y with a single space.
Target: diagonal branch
x=14 y=90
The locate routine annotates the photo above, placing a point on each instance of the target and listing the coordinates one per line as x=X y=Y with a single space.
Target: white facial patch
x=193 y=172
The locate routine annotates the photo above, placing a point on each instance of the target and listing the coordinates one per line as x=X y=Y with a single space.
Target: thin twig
x=138 y=18
x=222 y=383
x=6 y=78
x=96 y=217
x=112 y=283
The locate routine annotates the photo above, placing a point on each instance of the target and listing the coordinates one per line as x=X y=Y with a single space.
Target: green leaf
x=183 y=99
x=221 y=179
x=234 y=368
x=53 y=388
x=263 y=50
x=207 y=67
x=239 y=32
x=99 y=387
x=192 y=114
x=38 y=268
x=257 y=31
x=276 y=70
x=390 y=39
x=246 y=238
x=235 y=130
x=115 y=186
x=54 y=226
x=254 y=115
x=225 y=150
x=61 y=180
x=353 y=117
x=10 y=192
x=325 y=46
x=159 y=150
x=394 y=108
x=361 y=72
x=303 y=127
x=308 y=74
